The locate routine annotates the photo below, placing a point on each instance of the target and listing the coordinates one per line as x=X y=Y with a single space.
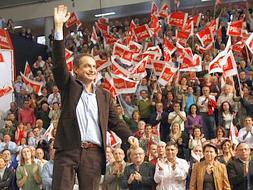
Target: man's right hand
x=61 y=15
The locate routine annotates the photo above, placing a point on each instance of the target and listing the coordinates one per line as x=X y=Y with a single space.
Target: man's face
x=36 y=132
x=243 y=152
x=2 y=163
x=153 y=150
x=144 y=94
x=171 y=152
x=205 y=91
x=159 y=107
x=119 y=155
x=138 y=156
x=7 y=138
x=39 y=123
x=248 y=122
x=161 y=149
x=86 y=71
x=7 y=155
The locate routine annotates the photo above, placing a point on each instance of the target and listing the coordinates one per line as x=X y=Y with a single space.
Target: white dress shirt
x=246 y=137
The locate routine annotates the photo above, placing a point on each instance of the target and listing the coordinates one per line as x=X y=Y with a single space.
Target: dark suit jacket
x=235 y=173
x=68 y=134
x=7 y=179
x=164 y=125
x=147 y=172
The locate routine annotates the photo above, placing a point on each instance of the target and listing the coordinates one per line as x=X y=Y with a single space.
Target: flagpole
x=239 y=84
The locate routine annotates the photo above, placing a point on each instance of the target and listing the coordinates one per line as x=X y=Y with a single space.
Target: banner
x=164 y=10
x=6 y=78
x=124 y=85
x=235 y=28
x=73 y=19
x=205 y=36
x=94 y=37
x=142 y=32
x=36 y=86
x=249 y=43
x=158 y=67
x=5 y=40
x=101 y=64
x=167 y=74
x=123 y=53
x=177 y=19
x=28 y=71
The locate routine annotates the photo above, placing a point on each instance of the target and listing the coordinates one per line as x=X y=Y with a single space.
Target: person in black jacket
x=6 y=175
x=240 y=170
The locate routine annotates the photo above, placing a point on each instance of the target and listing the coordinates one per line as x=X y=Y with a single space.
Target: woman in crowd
x=28 y=173
x=193 y=119
x=209 y=174
x=181 y=90
x=40 y=156
x=220 y=137
x=227 y=152
x=168 y=102
x=20 y=133
x=6 y=175
x=197 y=138
x=177 y=136
x=226 y=117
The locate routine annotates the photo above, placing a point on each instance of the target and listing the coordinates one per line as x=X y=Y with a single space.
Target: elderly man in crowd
x=140 y=174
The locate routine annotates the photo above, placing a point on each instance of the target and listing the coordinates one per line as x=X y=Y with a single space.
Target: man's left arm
x=149 y=178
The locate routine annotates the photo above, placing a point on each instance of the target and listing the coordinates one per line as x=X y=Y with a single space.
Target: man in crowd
x=240 y=170
x=160 y=153
x=246 y=133
x=140 y=174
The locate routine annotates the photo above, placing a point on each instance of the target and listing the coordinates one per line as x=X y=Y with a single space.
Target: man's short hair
x=171 y=143
x=77 y=58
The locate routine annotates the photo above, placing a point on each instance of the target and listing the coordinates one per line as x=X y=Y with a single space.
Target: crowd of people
x=193 y=133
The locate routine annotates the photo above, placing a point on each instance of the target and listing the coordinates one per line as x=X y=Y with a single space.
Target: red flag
x=177 y=19
x=109 y=39
x=135 y=47
x=139 y=70
x=155 y=25
x=114 y=139
x=142 y=32
x=229 y=65
x=101 y=64
x=203 y=49
x=1 y=58
x=94 y=37
x=249 y=43
x=154 y=9
x=27 y=71
x=5 y=40
x=70 y=64
x=213 y=25
x=5 y=90
x=123 y=53
x=215 y=66
x=193 y=65
x=130 y=33
x=195 y=19
x=109 y=86
x=182 y=35
x=164 y=10
x=167 y=74
x=168 y=49
x=73 y=19
x=117 y=69
x=103 y=20
x=103 y=28
x=68 y=53
x=158 y=66
x=238 y=47
x=235 y=28
x=36 y=86
x=205 y=36
x=124 y=85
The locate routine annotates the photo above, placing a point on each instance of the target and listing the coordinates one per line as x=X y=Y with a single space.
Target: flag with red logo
x=249 y=43
x=35 y=85
x=203 y=49
x=117 y=69
x=124 y=85
x=154 y=9
x=5 y=90
x=73 y=20
x=205 y=36
x=70 y=64
x=158 y=66
x=139 y=70
x=28 y=71
x=94 y=37
x=5 y=40
x=135 y=47
x=142 y=32
x=1 y=58
x=68 y=54
x=215 y=66
x=167 y=74
x=123 y=53
x=235 y=28
x=103 y=20
x=101 y=63
x=154 y=25
x=177 y=19
x=238 y=47
x=229 y=64
x=113 y=140
x=109 y=39
x=130 y=33
x=193 y=64
x=182 y=35
x=195 y=19
x=164 y=10
x=213 y=25
x=103 y=28
x=152 y=55
x=109 y=86
x=168 y=49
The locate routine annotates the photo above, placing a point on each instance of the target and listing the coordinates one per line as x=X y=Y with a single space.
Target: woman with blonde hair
x=28 y=173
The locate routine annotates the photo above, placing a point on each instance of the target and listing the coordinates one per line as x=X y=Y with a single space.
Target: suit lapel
x=202 y=173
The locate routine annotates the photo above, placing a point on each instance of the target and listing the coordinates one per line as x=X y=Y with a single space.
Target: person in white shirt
x=171 y=174
x=177 y=116
x=246 y=133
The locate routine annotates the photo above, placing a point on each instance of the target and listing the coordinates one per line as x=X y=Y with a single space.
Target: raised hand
x=61 y=15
